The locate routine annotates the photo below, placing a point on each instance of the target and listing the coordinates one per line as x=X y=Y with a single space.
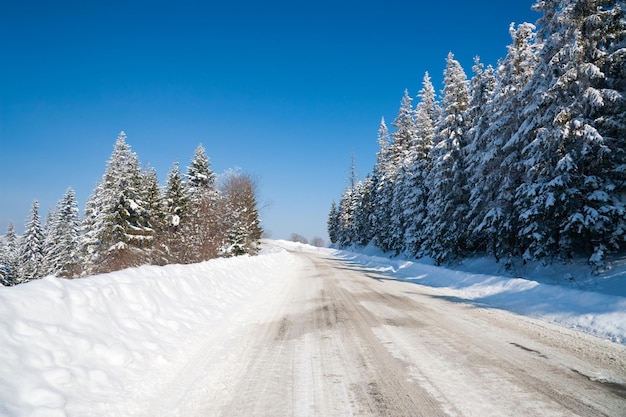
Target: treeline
x=527 y=159
x=130 y=220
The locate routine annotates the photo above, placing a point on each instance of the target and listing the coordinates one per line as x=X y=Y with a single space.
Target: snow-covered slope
x=103 y=345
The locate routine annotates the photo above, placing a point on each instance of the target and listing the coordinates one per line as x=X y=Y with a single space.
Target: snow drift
x=103 y=345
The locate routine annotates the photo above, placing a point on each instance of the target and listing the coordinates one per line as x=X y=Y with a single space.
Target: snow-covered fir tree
x=200 y=177
x=572 y=198
x=176 y=198
x=31 y=248
x=4 y=270
x=418 y=164
x=362 y=229
x=206 y=228
x=118 y=224
x=382 y=189
x=497 y=169
x=402 y=149
x=527 y=163
x=10 y=261
x=154 y=214
x=332 y=223
x=176 y=207
x=345 y=217
x=447 y=183
x=62 y=238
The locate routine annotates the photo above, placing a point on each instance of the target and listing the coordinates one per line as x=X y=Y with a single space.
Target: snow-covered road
x=339 y=340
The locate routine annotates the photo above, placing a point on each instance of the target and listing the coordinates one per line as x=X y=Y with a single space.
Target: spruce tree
x=498 y=172
x=176 y=202
x=200 y=176
x=418 y=162
x=206 y=228
x=10 y=259
x=154 y=215
x=382 y=189
x=62 y=240
x=572 y=198
x=447 y=183
x=117 y=223
x=404 y=142
x=363 y=207
x=31 y=247
x=332 y=223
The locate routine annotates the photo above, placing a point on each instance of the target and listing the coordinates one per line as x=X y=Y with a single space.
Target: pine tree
x=62 y=239
x=31 y=247
x=447 y=182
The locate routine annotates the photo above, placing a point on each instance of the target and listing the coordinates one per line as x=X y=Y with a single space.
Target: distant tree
x=31 y=247
x=295 y=237
x=332 y=224
x=4 y=270
x=318 y=242
x=10 y=258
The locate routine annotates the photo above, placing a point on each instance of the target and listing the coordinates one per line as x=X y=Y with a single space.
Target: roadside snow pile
x=103 y=345
x=598 y=309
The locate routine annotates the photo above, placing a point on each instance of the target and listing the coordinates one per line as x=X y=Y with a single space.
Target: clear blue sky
x=285 y=90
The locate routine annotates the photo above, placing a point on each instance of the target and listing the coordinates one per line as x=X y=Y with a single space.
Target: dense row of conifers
x=526 y=160
x=130 y=220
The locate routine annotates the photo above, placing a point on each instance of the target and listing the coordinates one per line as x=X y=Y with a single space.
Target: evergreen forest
x=130 y=220
x=522 y=161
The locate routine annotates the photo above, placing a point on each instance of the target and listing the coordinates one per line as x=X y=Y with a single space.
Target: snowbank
x=100 y=346
x=596 y=306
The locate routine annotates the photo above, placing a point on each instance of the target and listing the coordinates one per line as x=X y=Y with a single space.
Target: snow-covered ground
x=568 y=294
x=104 y=345
x=107 y=344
